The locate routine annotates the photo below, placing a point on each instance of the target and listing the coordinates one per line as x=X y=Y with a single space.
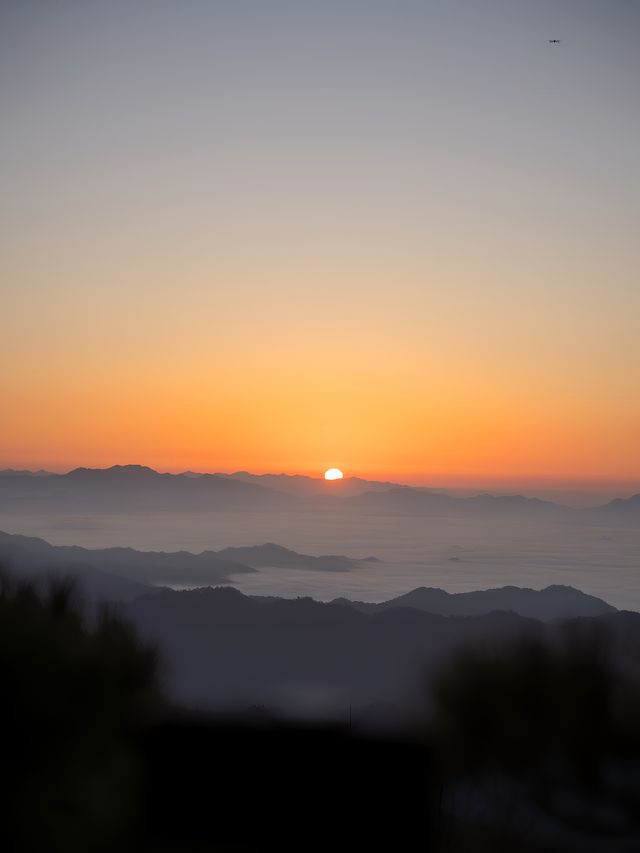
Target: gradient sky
x=396 y=237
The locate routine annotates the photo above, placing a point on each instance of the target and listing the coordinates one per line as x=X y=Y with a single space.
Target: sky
x=400 y=238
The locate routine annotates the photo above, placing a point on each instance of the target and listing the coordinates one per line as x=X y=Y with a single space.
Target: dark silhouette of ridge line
x=134 y=487
x=305 y=486
x=224 y=649
x=26 y=554
x=408 y=500
x=630 y=503
x=552 y=602
x=278 y=556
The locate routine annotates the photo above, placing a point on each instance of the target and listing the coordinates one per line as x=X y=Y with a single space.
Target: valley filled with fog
x=453 y=553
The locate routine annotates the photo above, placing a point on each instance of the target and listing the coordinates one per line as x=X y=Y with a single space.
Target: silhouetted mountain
x=32 y=555
x=94 y=759
x=135 y=487
x=227 y=649
x=97 y=579
x=553 y=602
x=406 y=500
x=510 y=504
x=224 y=649
x=522 y=736
x=29 y=555
x=297 y=484
x=277 y=556
x=620 y=510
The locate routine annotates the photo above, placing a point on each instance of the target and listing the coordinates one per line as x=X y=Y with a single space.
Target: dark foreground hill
x=95 y=761
x=223 y=649
x=530 y=744
x=227 y=650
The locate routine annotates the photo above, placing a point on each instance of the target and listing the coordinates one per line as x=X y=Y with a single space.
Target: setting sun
x=333 y=474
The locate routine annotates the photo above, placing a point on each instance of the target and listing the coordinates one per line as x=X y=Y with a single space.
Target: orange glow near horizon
x=424 y=412
x=406 y=430
x=424 y=272
x=423 y=388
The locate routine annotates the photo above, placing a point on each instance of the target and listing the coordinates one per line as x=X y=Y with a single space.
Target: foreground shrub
x=541 y=740
x=71 y=700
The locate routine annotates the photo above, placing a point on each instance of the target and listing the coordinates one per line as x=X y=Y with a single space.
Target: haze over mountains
x=133 y=571
x=31 y=555
x=298 y=484
x=216 y=528
x=301 y=656
x=136 y=487
x=552 y=602
x=407 y=500
x=223 y=649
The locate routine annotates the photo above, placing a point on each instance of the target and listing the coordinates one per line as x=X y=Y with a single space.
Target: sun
x=333 y=474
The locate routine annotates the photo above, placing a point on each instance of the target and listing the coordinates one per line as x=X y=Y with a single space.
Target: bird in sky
x=554 y=41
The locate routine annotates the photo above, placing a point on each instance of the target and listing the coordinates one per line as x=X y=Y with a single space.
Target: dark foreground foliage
x=231 y=786
x=533 y=747
x=93 y=760
x=72 y=700
x=539 y=745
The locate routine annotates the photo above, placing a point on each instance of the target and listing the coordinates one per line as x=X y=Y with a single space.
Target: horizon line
x=418 y=480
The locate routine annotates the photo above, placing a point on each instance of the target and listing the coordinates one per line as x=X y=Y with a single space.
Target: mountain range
x=135 y=487
x=552 y=602
x=126 y=566
x=133 y=573
x=224 y=649
x=298 y=484
x=138 y=488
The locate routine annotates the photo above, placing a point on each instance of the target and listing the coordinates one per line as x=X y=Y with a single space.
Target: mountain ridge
x=212 y=568
x=141 y=488
x=306 y=656
x=151 y=567
x=555 y=601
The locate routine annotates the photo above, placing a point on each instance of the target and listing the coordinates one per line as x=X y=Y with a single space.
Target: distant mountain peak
x=633 y=501
x=115 y=469
x=552 y=602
